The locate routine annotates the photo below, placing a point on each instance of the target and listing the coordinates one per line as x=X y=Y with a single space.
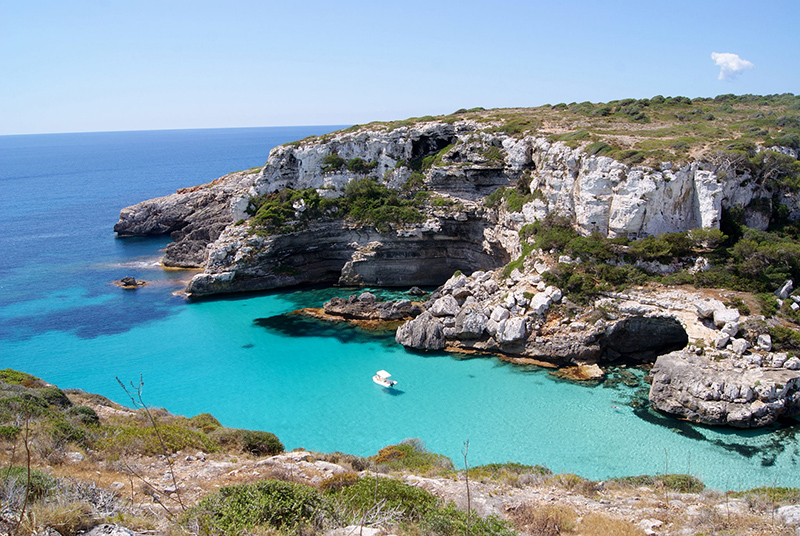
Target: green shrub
x=84 y=415
x=411 y=502
x=412 y=455
x=675 y=482
x=450 y=521
x=54 y=397
x=706 y=238
x=261 y=443
x=357 y=165
x=333 y=162
x=772 y=494
x=784 y=339
x=339 y=482
x=493 y=470
x=233 y=510
x=14 y=377
x=41 y=484
x=205 y=422
x=254 y=442
x=415 y=181
x=768 y=304
x=142 y=439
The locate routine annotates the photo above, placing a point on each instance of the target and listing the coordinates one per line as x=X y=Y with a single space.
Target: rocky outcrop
x=725 y=389
x=467 y=162
x=335 y=252
x=515 y=317
x=193 y=217
x=367 y=307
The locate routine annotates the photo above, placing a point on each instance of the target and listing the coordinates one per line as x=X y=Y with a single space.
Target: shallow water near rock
x=243 y=360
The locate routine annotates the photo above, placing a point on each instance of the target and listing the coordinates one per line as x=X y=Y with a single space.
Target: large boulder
x=425 y=332
x=714 y=391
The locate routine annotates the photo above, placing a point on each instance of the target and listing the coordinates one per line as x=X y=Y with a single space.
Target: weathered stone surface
x=366 y=307
x=513 y=330
x=423 y=333
x=445 y=306
x=724 y=316
x=739 y=346
x=700 y=389
x=785 y=290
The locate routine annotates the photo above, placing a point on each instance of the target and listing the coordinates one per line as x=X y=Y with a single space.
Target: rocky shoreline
x=710 y=365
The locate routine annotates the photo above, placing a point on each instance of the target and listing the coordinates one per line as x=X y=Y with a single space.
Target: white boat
x=382 y=378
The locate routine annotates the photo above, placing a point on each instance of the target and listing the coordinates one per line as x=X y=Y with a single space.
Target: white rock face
x=513 y=330
x=724 y=316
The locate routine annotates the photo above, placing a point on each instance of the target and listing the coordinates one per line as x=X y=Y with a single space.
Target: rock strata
x=598 y=193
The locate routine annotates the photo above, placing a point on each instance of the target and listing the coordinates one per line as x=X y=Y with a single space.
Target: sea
x=252 y=365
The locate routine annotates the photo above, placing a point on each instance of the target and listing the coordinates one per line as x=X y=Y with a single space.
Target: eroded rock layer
x=466 y=161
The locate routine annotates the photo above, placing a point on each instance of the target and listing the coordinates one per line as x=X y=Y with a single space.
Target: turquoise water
x=252 y=366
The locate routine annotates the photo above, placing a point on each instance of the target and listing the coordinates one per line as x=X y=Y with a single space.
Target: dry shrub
x=337 y=482
x=595 y=524
x=543 y=520
x=713 y=521
x=67 y=518
x=575 y=483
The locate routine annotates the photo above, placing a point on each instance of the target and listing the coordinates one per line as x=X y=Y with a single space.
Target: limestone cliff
x=460 y=163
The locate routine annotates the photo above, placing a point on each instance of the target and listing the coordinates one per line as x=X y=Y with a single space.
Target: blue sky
x=71 y=66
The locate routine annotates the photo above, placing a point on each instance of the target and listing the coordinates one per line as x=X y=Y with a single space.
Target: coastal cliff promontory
x=567 y=227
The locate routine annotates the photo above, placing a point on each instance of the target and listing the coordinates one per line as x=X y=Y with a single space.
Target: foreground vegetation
x=68 y=467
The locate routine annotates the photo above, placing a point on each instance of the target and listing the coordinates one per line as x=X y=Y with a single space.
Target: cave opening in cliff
x=642 y=339
x=428 y=145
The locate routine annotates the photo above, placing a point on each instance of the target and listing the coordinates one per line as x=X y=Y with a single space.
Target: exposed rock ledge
x=741 y=391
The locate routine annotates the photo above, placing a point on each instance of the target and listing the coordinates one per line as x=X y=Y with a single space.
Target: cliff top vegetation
x=646 y=131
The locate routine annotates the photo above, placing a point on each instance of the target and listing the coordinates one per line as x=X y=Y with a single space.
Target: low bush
x=271 y=504
x=54 y=397
x=144 y=439
x=784 y=339
x=84 y=415
x=411 y=454
x=261 y=443
x=450 y=521
x=254 y=442
x=41 y=483
x=205 y=422
x=339 y=482
x=543 y=520
x=410 y=502
x=777 y=495
x=333 y=162
x=15 y=377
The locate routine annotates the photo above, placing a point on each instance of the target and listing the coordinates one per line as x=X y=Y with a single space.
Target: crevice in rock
x=641 y=339
x=428 y=145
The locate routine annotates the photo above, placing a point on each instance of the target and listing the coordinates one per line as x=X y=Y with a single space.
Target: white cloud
x=730 y=64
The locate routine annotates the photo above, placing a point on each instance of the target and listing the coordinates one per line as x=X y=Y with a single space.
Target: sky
x=101 y=65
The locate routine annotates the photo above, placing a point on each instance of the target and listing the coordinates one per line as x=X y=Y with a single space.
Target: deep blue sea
x=251 y=366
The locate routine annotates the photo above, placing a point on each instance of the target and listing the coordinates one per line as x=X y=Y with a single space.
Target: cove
x=252 y=367
x=241 y=360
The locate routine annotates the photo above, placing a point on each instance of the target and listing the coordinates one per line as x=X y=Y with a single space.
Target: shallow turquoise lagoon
x=310 y=383
x=250 y=365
